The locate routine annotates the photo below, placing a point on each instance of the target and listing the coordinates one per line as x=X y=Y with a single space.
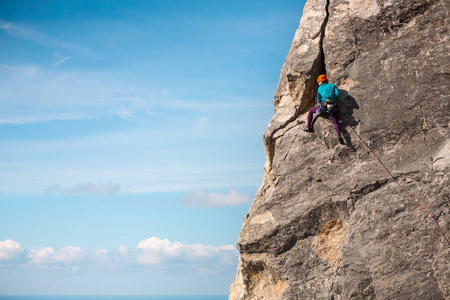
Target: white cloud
x=47 y=255
x=70 y=255
x=41 y=255
x=86 y=188
x=199 y=198
x=155 y=250
x=11 y=251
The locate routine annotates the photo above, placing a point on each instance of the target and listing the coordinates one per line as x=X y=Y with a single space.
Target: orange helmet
x=322 y=77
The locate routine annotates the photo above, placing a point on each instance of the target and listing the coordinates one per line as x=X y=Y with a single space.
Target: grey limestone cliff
x=327 y=222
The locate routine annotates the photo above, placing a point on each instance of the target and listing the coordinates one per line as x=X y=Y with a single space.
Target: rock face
x=327 y=222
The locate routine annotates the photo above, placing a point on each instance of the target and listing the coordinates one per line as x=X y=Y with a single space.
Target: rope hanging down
x=396 y=182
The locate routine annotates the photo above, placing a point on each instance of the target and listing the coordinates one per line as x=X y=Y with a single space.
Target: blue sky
x=131 y=140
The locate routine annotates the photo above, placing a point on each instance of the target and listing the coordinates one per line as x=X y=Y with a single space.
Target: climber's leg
x=334 y=118
x=310 y=116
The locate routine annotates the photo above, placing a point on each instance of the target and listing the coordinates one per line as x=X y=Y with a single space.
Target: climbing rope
x=396 y=182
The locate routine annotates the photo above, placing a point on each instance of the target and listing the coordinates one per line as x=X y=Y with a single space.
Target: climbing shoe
x=307 y=129
x=341 y=141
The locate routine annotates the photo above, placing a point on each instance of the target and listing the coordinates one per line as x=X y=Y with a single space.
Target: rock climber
x=327 y=94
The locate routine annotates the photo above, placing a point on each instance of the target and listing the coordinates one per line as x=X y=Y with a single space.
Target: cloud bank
x=153 y=252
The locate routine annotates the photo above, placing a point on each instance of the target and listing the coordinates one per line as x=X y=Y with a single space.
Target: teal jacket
x=327 y=91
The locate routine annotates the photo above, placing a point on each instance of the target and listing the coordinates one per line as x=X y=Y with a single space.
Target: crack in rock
x=307 y=88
